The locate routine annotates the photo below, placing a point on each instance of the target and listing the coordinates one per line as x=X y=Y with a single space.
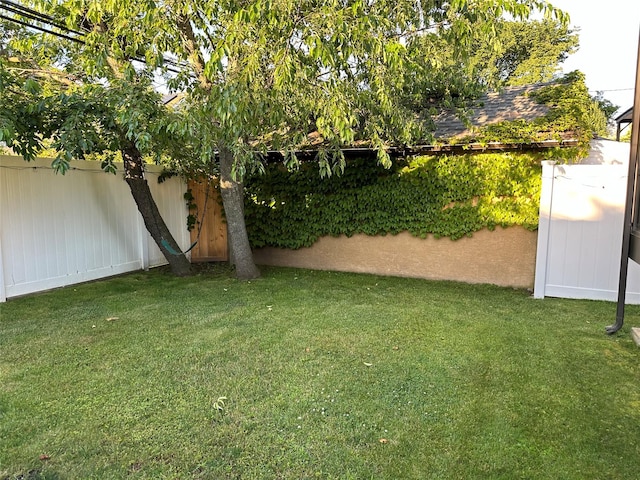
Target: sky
x=609 y=32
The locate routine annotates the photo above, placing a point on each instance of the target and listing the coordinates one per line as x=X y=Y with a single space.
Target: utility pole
x=630 y=231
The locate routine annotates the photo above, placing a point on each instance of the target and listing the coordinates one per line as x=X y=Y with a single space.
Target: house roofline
x=435 y=149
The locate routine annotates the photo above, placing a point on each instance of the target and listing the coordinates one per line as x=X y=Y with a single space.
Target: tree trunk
x=233 y=200
x=157 y=228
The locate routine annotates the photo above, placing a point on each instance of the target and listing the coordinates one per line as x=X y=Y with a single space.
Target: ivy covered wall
x=446 y=196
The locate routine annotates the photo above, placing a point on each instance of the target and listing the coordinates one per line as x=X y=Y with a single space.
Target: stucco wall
x=503 y=257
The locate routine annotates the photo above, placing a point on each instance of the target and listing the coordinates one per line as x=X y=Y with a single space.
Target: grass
x=326 y=375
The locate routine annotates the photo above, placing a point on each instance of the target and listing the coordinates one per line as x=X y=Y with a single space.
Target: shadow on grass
x=35 y=474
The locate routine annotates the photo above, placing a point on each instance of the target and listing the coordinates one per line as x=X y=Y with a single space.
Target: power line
x=33 y=15
x=41 y=29
x=612 y=90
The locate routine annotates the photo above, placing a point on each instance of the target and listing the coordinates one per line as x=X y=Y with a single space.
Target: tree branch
x=191 y=46
x=62 y=77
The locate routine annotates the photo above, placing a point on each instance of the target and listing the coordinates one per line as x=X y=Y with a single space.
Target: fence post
x=3 y=290
x=544 y=227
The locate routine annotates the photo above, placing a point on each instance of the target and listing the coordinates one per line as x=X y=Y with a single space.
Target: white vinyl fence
x=57 y=230
x=580 y=231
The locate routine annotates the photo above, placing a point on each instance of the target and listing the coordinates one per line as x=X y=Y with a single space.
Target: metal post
x=630 y=202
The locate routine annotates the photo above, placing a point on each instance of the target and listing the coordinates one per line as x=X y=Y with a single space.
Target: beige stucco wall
x=504 y=257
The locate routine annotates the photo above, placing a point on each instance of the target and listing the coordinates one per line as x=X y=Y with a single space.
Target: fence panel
x=580 y=234
x=59 y=230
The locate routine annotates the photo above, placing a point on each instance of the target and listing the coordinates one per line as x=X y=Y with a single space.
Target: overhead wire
x=41 y=29
x=49 y=21
x=598 y=90
x=35 y=15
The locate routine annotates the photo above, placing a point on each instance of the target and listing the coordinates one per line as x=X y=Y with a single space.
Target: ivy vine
x=445 y=196
x=192 y=207
x=573 y=113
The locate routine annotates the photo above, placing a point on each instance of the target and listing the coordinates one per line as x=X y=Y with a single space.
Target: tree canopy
x=264 y=74
x=529 y=52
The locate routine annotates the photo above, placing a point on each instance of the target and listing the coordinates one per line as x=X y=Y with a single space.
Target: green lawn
x=326 y=375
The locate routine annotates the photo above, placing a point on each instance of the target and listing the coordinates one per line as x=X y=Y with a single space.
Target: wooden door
x=211 y=233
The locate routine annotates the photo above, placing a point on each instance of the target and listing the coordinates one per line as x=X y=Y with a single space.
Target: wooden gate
x=580 y=233
x=212 y=233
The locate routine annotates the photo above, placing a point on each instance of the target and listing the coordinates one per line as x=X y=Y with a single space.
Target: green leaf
x=32 y=86
x=61 y=164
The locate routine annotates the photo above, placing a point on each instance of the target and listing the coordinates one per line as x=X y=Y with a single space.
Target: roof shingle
x=512 y=103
